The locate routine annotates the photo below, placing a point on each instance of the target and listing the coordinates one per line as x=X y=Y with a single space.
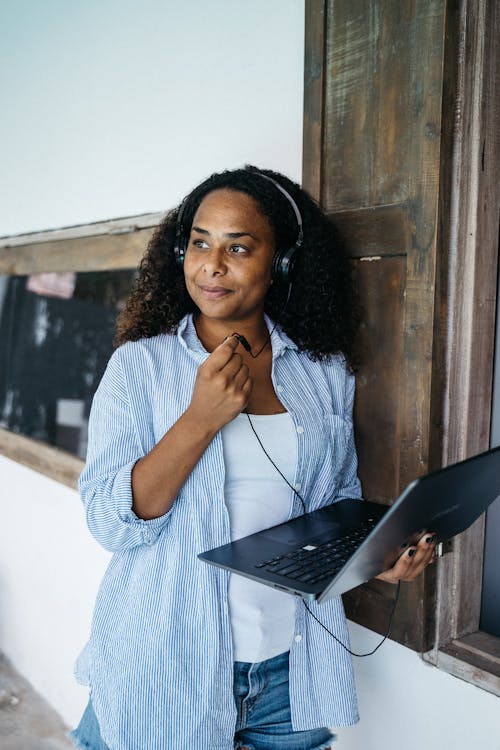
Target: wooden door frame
x=465 y=294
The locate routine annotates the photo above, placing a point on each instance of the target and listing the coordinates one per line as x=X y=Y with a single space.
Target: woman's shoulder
x=160 y=342
x=332 y=365
x=132 y=360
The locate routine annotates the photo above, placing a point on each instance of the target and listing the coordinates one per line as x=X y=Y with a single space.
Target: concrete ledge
x=27 y=722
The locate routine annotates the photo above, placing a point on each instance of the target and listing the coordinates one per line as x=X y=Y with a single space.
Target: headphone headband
x=300 y=235
x=283 y=262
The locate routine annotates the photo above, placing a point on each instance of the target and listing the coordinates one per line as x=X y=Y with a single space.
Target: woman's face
x=227 y=267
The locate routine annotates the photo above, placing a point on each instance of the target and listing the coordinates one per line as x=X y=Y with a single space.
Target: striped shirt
x=159 y=661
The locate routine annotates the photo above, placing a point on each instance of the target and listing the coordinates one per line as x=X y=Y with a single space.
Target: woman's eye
x=238 y=249
x=200 y=243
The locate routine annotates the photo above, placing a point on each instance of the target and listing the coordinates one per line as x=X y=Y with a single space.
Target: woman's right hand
x=222 y=387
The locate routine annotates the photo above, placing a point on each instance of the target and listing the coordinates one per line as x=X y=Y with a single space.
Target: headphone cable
x=398 y=586
x=244 y=342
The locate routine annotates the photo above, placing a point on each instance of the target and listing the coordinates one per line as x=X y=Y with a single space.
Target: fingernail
x=404 y=544
x=431 y=539
x=411 y=552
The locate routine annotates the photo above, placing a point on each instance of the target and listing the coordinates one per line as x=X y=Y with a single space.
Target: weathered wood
x=381 y=285
x=474 y=658
x=368 y=100
x=375 y=231
x=314 y=84
x=424 y=85
x=470 y=199
x=104 y=252
x=372 y=603
x=380 y=182
x=412 y=121
x=110 y=226
x=481 y=644
x=99 y=246
x=52 y=462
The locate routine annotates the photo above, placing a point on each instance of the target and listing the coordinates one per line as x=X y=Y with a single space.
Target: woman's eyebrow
x=231 y=235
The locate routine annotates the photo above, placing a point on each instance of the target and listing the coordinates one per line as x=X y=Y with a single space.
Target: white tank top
x=257 y=497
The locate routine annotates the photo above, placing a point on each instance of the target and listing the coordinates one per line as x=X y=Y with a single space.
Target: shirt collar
x=188 y=338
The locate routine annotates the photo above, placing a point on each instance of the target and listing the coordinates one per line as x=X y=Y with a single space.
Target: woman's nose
x=215 y=262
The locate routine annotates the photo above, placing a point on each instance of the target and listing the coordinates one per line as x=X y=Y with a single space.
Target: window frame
x=469 y=197
x=98 y=246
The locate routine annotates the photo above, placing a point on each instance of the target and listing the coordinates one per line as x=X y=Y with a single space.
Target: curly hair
x=322 y=313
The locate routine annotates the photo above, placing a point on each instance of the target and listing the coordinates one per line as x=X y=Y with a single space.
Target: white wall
x=114 y=108
x=117 y=107
x=50 y=569
x=406 y=703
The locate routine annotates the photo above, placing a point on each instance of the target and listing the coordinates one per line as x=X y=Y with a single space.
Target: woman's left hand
x=413 y=561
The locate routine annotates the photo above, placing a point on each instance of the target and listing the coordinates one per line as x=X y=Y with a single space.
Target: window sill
x=52 y=462
x=474 y=658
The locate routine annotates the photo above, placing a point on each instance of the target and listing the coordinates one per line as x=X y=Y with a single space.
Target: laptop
x=324 y=553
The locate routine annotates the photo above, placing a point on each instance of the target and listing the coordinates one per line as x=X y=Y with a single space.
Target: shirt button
x=300 y=429
x=298 y=638
x=280 y=388
x=298 y=486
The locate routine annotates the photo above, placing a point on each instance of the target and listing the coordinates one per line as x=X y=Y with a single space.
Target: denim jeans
x=262 y=700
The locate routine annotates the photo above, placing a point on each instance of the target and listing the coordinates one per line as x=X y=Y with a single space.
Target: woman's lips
x=214 y=292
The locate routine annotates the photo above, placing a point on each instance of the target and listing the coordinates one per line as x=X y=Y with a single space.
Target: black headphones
x=283 y=261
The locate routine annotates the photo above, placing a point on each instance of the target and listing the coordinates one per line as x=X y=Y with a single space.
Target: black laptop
x=331 y=550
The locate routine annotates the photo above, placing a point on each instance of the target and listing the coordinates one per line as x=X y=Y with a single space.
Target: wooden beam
x=314 y=85
x=52 y=462
x=124 y=225
x=376 y=231
x=102 y=246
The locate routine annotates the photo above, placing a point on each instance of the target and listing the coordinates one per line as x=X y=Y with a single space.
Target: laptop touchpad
x=307 y=535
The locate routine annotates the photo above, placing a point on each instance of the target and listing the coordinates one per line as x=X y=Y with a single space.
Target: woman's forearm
x=158 y=477
x=221 y=391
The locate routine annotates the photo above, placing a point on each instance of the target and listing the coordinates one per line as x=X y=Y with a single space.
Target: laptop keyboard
x=313 y=563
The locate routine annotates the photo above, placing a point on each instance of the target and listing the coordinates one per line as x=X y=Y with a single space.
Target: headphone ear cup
x=283 y=265
x=275 y=267
x=180 y=243
x=179 y=252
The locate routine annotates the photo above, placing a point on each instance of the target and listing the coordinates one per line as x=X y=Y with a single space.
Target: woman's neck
x=212 y=332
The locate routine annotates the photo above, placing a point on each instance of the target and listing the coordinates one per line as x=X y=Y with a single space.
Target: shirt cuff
x=122 y=494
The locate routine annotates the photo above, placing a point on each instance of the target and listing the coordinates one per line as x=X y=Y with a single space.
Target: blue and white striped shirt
x=160 y=661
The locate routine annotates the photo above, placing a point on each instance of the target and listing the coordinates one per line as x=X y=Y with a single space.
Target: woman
x=227 y=408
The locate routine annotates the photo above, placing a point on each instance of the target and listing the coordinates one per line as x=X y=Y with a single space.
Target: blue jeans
x=262 y=700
